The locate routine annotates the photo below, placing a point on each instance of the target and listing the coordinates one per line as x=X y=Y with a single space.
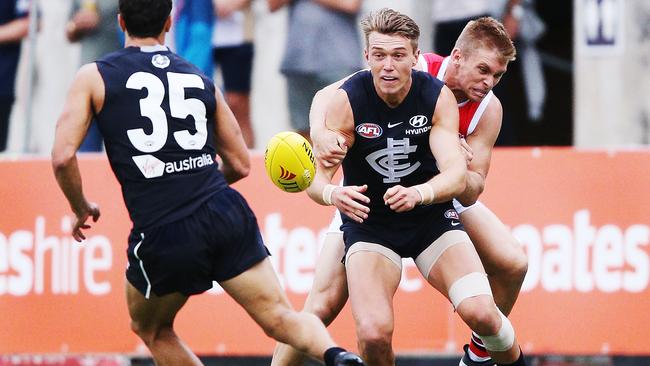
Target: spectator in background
x=193 y=33
x=232 y=42
x=14 y=26
x=449 y=21
x=92 y=24
x=525 y=74
x=322 y=47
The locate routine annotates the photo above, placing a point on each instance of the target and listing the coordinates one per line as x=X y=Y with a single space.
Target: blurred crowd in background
x=271 y=56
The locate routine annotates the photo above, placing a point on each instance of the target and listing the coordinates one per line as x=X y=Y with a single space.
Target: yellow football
x=289 y=162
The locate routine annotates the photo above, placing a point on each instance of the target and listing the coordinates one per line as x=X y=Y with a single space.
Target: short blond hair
x=389 y=21
x=486 y=32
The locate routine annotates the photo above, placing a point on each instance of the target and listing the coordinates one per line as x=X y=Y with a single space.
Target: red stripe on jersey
x=468 y=108
x=433 y=63
x=466 y=113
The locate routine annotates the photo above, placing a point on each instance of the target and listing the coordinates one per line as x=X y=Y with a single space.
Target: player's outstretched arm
x=71 y=129
x=481 y=142
x=230 y=143
x=339 y=114
x=350 y=200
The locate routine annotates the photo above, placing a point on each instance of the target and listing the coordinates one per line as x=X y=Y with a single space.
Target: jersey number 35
x=179 y=107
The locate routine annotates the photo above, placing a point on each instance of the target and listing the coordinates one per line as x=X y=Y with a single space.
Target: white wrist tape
x=327 y=194
x=420 y=193
x=426 y=193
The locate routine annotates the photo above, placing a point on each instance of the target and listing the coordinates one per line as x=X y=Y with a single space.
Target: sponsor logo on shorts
x=452 y=214
x=369 y=130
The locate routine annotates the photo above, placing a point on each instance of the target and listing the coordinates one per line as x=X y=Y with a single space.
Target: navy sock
x=331 y=354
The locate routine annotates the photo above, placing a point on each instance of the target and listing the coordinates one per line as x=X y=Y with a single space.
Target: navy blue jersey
x=391 y=144
x=158 y=126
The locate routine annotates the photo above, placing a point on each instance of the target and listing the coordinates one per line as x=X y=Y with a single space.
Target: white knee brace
x=503 y=340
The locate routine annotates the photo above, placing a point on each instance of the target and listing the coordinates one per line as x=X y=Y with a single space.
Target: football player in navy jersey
x=479 y=60
x=163 y=122
x=403 y=166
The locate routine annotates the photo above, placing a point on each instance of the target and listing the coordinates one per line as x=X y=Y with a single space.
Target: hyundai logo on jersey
x=418 y=121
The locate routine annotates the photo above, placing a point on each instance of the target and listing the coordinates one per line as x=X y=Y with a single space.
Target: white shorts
x=335 y=225
x=460 y=208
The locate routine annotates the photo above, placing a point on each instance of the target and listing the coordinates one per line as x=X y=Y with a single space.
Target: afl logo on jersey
x=369 y=130
x=418 y=121
x=160 y=61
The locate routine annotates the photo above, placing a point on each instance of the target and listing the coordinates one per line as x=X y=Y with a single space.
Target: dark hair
x=145 y=18
x=389 y=21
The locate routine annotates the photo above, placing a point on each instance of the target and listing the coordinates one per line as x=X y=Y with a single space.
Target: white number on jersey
x=179 y=107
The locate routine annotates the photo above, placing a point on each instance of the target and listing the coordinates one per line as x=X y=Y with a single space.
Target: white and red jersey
x=470 y=112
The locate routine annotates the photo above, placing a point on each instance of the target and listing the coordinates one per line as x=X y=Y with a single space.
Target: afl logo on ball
x=369 y=130
x=286 y=174
x=160 y=61
x=418 y=121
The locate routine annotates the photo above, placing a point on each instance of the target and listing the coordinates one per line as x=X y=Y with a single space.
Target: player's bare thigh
x=155 y=311
x=258 y=290
x=495 y=244
x=449 y=258
x=329 y=291
x=373 y=273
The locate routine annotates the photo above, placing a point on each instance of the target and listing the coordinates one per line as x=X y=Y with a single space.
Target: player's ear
x=121 y=23
x=455 y=56
x=417 y=57
x=168 y=23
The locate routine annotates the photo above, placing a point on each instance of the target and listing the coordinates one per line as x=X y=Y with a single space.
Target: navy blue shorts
x=407 y=238
x=219 y=241
x=236 y=63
